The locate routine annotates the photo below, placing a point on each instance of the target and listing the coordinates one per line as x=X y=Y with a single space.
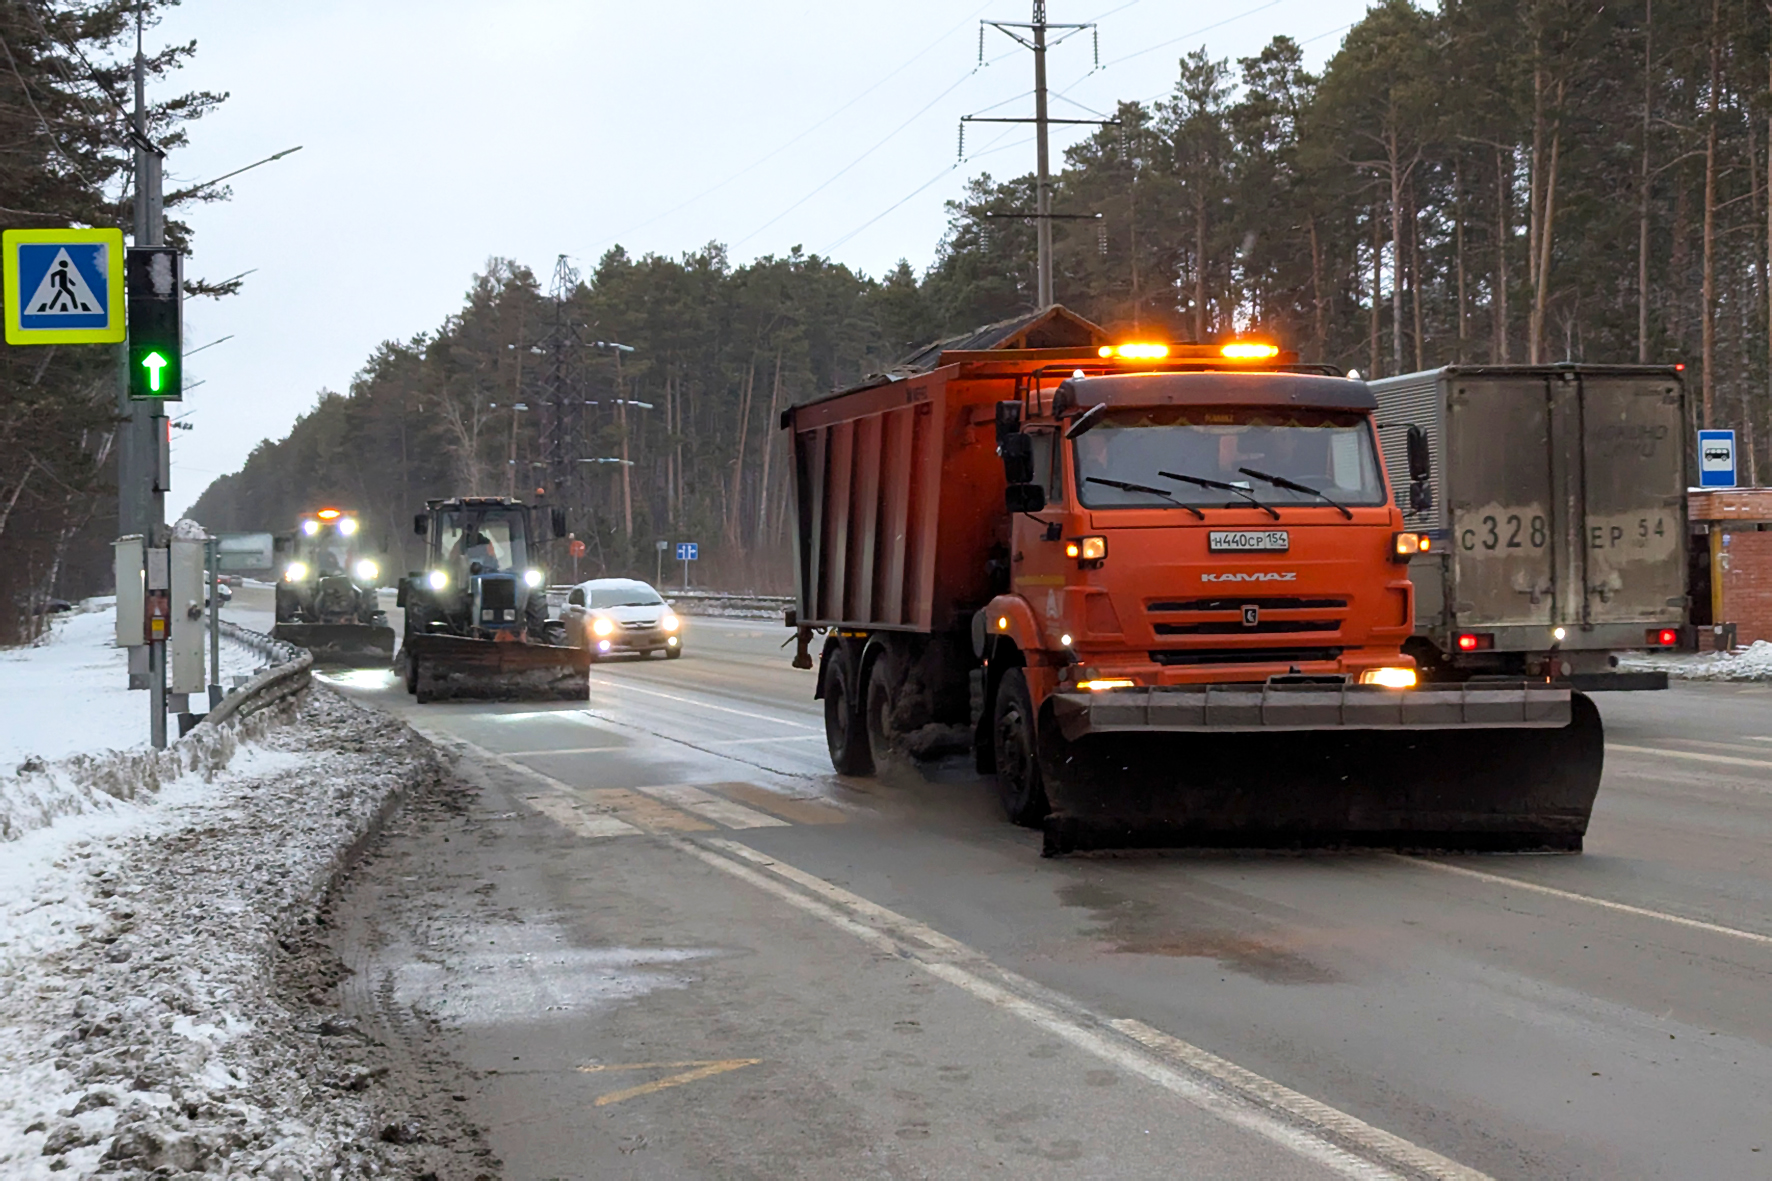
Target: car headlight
x=669 y=622
x=602 y=626
x=367 y=570
x=295 y=572
x=532 y=578
x=438 y=579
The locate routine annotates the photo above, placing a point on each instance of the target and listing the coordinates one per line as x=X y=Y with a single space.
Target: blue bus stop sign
x=687 y=551
x=1716 y=459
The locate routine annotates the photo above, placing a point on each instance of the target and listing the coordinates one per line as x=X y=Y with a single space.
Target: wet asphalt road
x=668 y=941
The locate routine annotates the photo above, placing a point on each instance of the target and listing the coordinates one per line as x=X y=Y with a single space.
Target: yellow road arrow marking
x=698 y=1071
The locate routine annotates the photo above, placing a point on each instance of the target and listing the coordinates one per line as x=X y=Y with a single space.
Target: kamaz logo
x=1260 y=576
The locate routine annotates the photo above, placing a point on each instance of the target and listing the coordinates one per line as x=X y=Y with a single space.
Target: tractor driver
x=477 y=547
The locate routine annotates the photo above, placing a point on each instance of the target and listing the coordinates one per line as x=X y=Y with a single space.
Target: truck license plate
x=1247 y=540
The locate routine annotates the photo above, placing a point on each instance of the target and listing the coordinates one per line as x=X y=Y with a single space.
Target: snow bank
x=144 y=1025
x=1753 y=663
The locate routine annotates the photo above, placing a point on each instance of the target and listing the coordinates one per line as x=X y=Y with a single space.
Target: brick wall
x=1747 y=581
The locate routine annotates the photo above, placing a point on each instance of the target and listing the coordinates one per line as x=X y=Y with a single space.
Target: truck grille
x=1246 y=629
x=1246 y=656
x=498 y=594
x=1267 y=603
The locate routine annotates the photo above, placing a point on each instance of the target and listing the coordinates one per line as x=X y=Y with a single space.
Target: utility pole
x=1042 y=215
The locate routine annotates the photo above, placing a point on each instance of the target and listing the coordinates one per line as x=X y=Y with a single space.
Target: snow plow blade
x=455 y=668
x=359 y=645
x=1473 y=767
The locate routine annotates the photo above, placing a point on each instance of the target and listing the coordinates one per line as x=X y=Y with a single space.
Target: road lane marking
x=701 y=1070
x=644 y=811
x=570 y=750
x=693 y=799
x=795 y=808
x=1695 y=755
x=782 y=738
x=574 y=816
x=629 y=685
x=1606 y=903
x=1267 y=1109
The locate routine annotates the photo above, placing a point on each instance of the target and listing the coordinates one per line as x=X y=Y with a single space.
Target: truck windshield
x=495 y=540
x=1326 y=450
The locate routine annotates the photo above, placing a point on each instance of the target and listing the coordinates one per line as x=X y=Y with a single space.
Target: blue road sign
x=63 y=286
x=687 y=551
x=1716 y=459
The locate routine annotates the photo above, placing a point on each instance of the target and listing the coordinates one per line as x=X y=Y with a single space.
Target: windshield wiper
x=1123 y=486
x=1295 y=486
x=1203 y=482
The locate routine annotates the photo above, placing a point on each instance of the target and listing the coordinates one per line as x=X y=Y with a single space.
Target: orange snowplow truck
x=1162 y=592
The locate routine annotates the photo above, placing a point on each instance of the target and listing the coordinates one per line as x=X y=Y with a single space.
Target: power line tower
x=1042 y=215
x=562 y=402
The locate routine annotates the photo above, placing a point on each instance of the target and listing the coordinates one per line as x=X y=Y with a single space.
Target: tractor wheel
x=845 y=731
x=1017 y=752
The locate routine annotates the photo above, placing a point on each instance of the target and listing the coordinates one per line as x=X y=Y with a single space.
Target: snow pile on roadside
x=1753 y=663
x=69 y=693
x=143 y=1029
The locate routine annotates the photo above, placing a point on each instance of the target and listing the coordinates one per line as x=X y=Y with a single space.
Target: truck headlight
x=1406 y=545
x=669 y=622
x=602 y=626
x=367 y=570
x=437 y=579
x=1086 y=549
x=295 y=572
x=532 y=578
x=1389 y=678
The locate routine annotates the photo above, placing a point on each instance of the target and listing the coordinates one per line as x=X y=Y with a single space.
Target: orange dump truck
x=1162 y=591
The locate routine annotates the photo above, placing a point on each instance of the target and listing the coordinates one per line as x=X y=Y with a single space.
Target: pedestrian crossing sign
x=63 y=286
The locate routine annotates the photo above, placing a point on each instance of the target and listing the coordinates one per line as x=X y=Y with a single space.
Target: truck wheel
x=1017 y=752
x=844 y=730
x=879 y=703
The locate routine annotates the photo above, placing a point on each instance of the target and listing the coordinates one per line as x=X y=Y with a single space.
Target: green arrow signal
x=154 y=363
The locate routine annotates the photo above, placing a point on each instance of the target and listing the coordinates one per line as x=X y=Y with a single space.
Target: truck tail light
x=1475 y=641
x=1086 y=549
x=1663 y=637
x=1406 y=545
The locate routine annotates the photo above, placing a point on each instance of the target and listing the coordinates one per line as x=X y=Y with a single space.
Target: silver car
x=611 y=616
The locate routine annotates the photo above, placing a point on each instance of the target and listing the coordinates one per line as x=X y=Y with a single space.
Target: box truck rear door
x=1503 y=526
x=1633 y=493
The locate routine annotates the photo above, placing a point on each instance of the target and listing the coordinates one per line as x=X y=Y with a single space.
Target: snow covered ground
x=1753 y=663
x=148 y=947
x=70 y=693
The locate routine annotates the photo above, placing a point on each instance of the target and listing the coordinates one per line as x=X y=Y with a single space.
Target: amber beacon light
x=1248 y=350
x=1134 y=352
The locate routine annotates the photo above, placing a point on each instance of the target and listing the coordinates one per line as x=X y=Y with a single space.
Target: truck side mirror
x=1017 y=450
x=1421 y=497
x=1421 y=465
x=421 y=524
x=1008 y=421
x=557 y=518
x=1024 y=498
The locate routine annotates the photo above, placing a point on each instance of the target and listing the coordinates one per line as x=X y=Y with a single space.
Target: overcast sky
x=439 y=133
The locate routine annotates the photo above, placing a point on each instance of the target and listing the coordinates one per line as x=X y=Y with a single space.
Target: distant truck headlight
x=1389 y=678
x=532 y=578
x=367 y=570
x=438 y=579
x=295 y=572
x=602 y=627
x=669 y=622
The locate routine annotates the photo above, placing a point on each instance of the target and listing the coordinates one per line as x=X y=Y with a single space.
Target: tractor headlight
x=295 y=572
x=602 y=626
x=367 y=570
x=310 y=527
x=532 y=578
x=1389 y=678
x=438 y=579
x=347 y=526
x=669 y=622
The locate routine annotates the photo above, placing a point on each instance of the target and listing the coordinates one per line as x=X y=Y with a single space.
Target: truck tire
x=845 y=730
x=878 y=703
x=1017 y=751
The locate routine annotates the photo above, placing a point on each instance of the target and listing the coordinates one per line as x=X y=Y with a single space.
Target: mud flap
x=357 y=645
x=1465 y=787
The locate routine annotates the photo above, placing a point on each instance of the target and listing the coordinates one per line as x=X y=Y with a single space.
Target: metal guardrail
x=289 y=674
x=741 y=604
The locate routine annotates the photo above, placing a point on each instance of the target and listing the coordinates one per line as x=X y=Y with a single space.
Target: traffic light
x=152 y=280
